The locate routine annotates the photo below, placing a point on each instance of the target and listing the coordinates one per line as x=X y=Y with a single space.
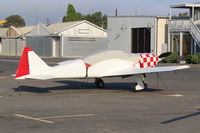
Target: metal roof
x=138 y=17
x=55 y=28
x=16 y=32
x=25 y=30
x=59 y=27
x=189 y=5
x=3 y=31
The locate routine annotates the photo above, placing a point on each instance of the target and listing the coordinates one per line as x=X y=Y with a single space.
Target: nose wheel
x=99 y=83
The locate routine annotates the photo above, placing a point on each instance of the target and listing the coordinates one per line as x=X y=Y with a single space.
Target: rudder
x=30 y=63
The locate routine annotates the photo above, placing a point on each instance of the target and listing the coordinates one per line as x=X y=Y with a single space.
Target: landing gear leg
x=143 y=76
x=99 y=83
x=141 y=84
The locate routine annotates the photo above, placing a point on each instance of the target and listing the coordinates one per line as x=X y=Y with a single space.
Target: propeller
x=165 y=54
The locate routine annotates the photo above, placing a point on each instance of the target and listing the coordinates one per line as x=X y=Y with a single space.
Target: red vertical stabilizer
x=23 y=67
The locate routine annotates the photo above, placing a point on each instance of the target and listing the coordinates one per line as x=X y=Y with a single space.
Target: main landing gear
x=138 y=86
x=99 y=83
x=141 y=84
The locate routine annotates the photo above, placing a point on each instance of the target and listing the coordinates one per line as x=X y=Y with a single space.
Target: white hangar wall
x=120 y=32
x=84 y=30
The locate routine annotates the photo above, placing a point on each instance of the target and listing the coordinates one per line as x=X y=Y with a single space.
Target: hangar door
x=141 y=40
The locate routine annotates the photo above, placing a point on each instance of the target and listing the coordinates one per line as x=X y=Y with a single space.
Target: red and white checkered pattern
x=136 y=65
x=148 y=60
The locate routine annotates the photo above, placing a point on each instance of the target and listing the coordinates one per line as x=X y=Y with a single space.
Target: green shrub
x=188 y=59
x=173 y=58
x=193 y=59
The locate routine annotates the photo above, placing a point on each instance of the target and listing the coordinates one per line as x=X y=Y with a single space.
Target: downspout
x=61 y=45
x=193 y=13
x=169 y=37
x=156 y=46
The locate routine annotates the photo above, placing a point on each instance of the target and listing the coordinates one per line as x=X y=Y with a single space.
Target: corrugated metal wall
x=75 y=46
x=50 y=46
x=12 y=47
x=42 y=46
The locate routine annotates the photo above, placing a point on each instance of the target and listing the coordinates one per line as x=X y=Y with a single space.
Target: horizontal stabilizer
x=40 y=76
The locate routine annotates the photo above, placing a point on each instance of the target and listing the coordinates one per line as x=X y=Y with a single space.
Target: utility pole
x=116 y=12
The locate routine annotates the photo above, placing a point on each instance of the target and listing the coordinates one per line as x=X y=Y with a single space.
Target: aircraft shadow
x=78 y=85
x=181 y=118
x=111 y=86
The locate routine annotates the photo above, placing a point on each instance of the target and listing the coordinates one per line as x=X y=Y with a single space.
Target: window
x=83 y=31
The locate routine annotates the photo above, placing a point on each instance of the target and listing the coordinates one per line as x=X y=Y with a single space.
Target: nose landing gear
x=141 y=84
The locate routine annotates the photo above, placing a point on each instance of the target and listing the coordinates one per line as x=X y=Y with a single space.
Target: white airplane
x=102 y=64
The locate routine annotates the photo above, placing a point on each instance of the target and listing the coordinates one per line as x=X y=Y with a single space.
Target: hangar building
x=138 y=34
x=69 y=39
x=12 y=40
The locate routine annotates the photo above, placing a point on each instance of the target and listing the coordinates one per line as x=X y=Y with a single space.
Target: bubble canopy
x=103 y=55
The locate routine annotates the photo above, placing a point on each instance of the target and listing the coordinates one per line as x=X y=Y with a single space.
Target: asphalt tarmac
x=170 y=105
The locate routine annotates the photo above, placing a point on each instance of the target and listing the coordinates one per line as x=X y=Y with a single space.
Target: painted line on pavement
x=175 y=95
x=43 y=119
x=3 y=77
x=66 y=116
x=171 y=95
x=32 y=118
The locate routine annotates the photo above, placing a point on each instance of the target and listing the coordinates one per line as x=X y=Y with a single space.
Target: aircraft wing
x=147 y=70
x=160 y=69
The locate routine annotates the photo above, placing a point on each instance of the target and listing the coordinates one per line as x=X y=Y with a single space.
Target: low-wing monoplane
x=102 y=64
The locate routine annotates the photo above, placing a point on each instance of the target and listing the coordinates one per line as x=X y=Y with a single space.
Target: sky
x=38 y=11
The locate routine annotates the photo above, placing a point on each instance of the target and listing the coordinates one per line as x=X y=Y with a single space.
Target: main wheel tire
x=99 y=83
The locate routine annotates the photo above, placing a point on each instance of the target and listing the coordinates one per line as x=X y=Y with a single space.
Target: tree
x=71 y=14
x=14 y=20
x=96 y=18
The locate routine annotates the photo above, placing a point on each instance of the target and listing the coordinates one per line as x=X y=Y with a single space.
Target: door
x=140 y=40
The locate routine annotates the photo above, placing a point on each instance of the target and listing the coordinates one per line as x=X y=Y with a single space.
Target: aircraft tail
x=30 y=63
